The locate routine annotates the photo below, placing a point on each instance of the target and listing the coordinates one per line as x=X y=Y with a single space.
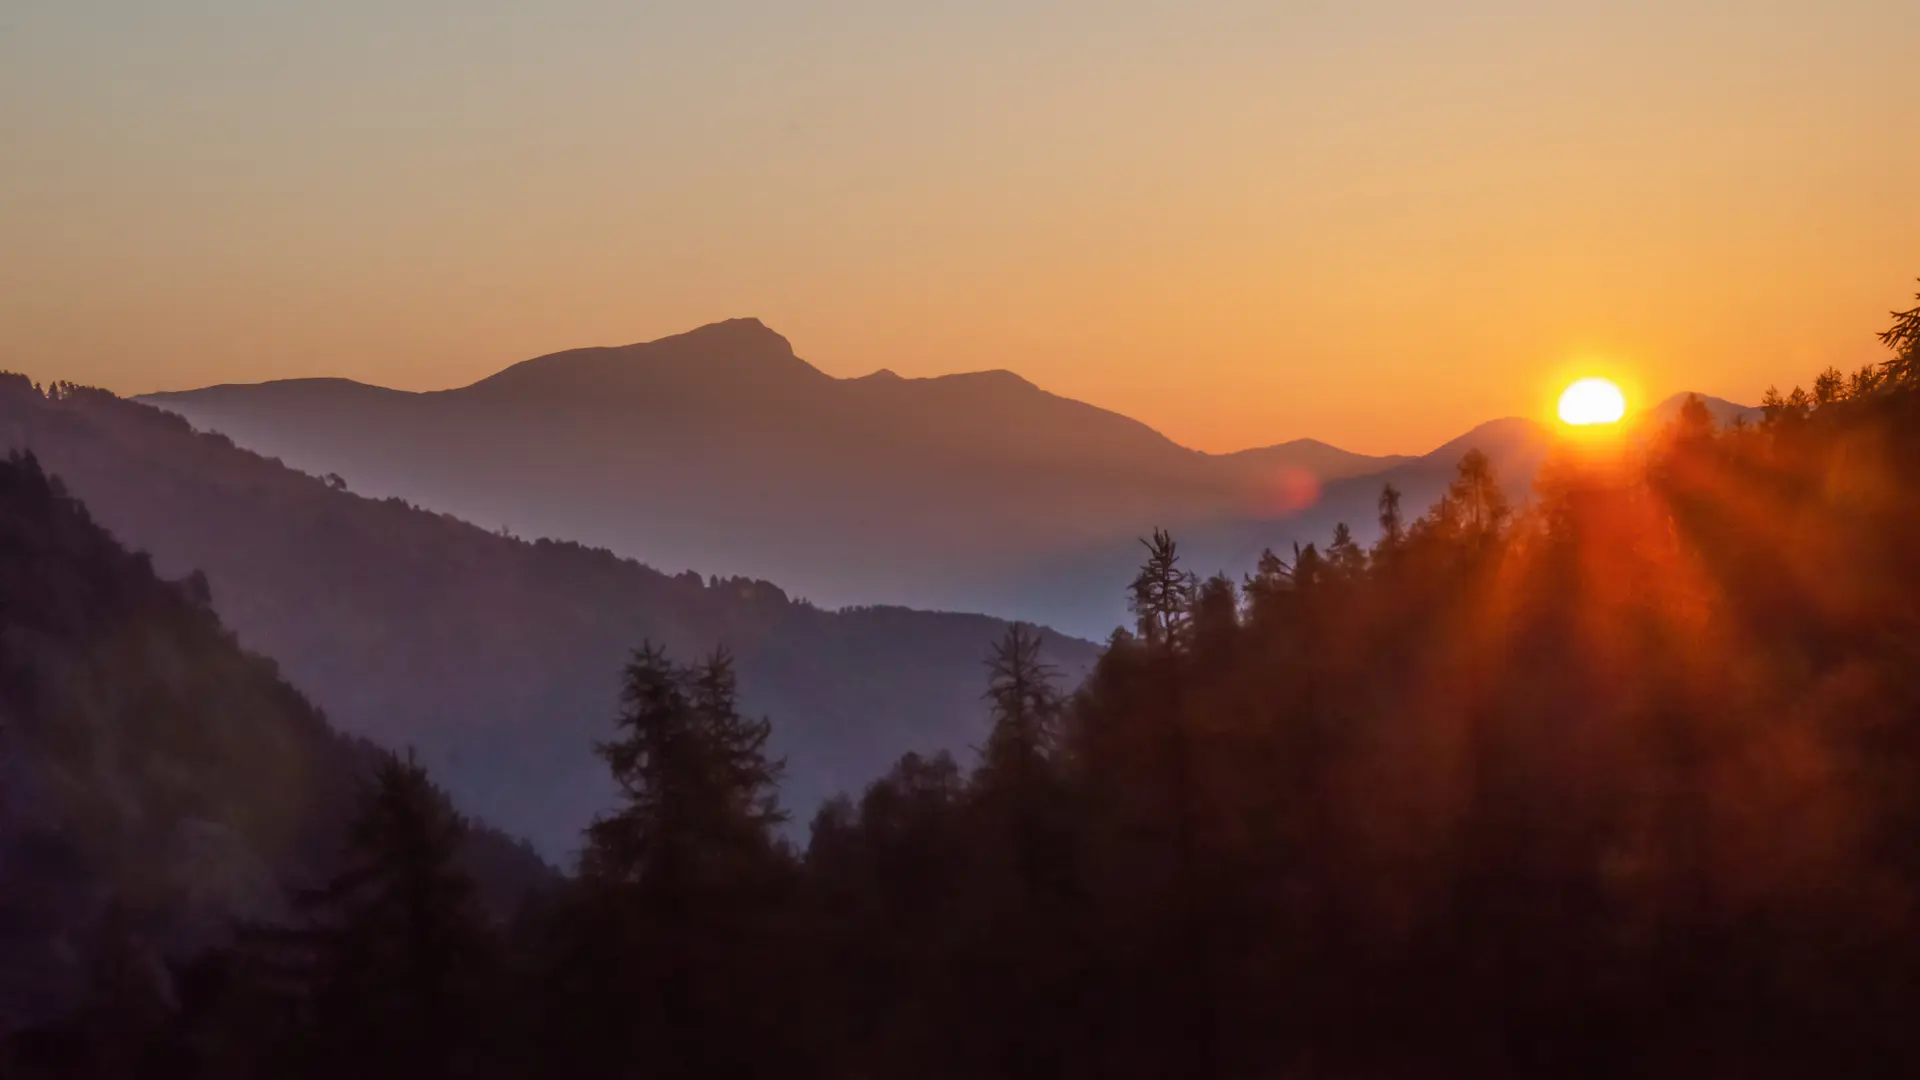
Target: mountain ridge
x=730 y=346
x=749 y=339
x=721 y=449
x=498 y=657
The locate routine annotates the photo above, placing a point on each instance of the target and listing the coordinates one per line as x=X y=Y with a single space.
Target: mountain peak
x=995 y=378
x=1724 y=412
x=746 y=330
x=732 y=355
x=1507 y=435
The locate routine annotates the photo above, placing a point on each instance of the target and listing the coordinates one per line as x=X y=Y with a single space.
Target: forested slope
x=496 y=656
x=157 y=782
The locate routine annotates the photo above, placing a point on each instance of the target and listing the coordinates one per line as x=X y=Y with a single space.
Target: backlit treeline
x=1622 y=781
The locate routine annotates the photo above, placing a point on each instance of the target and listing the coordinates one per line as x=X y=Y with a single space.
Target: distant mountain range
x=720 y=450
x=498 y=657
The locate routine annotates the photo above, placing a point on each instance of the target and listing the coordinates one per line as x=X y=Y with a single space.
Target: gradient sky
x=1376 y=223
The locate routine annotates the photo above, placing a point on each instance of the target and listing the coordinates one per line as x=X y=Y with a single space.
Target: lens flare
x=1592 y=401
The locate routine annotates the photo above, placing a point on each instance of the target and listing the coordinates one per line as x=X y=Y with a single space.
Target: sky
x=1374 y=222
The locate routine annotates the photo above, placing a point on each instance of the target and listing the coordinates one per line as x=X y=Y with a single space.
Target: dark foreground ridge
x=158 y=784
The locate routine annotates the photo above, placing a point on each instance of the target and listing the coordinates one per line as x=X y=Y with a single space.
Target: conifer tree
x=1903 y=337
x=1271 y=579
x=1863 y=382
x=1694 y=422
x=678 y=875
x=1349 y=559
x=1392 y=526
x=697 y=785
x=1216 y=614
x=1308 y=568
x=391 y=963
x=1016 y=766
x=1025 y=704
x=1162 y=595
x=1476 y=494
x=1772 y=406
x=1828 y=387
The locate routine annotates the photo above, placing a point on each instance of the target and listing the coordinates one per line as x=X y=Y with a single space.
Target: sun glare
x=1592 y=401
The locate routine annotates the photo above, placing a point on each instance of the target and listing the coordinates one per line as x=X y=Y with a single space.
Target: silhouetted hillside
x=496 y=656
x=156 y=781
x=719 y=449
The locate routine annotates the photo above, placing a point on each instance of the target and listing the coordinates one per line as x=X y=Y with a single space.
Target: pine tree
x=1271 y=580
x=698 y=786
x=1772 y=406
x=1021 y=841
x=1694 y=422
x=1025 y=703
x=391 y=963
x=1476 y=493
x=1903 y=337
x=1349 y=559
x=1163 y=599
x=1216 y=614
x=1162 y=595
x=1863 y=382
x=1016 y=767
x=1392 y=526
x=677 y=877
x=1828 y=387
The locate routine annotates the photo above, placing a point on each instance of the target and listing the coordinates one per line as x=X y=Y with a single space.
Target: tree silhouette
x=1349 y=558
x=1475 y=493
x=1392 y=528
x=679 y=875
x=1161 y=597
x=1694 y=419
x=1903 y=337
x=1829 y=387
x=698 y=789
x=1026 y=707
x=391 y=959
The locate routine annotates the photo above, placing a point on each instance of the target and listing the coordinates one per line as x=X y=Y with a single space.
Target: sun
x=1592 y=401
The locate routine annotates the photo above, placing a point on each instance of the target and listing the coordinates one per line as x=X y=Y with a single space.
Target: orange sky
x=1376 y=223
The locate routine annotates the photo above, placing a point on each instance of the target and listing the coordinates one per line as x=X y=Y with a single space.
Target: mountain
x=1725 y=413
x=156 y=781
x=1515 y=446
x=719 y=449
x=1077 y=585
x=1321 y=460
x=498 y=658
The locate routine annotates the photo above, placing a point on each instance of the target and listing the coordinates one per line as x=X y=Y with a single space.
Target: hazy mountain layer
x=719 y=449
x=498 y=657
x=1074 y=585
